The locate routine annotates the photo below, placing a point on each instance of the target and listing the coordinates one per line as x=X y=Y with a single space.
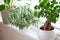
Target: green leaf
x=35 y=13
x=36 y=7
x=57 y=8
x=57 y=15
x=52 y=5
x=39 y=0
x=2 y=7
x=39 y=15
x=41 y=4
x=45 y=1
x=59 y=2
x=7 y=1
x=47 y=5
x=54 y=1
x=54 y=20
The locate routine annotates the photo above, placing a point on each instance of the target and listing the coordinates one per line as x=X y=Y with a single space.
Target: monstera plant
x=21 y=16
x=49 y=9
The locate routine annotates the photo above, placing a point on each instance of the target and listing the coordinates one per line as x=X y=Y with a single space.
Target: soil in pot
x=52 y=28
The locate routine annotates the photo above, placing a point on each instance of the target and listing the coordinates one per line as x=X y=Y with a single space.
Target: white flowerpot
x=46 y=35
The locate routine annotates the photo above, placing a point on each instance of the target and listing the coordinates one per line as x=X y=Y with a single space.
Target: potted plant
x=4 y=8
x=50 y=10
x=21 y=16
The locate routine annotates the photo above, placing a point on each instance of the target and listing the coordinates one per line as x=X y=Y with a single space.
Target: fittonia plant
x=21 y=16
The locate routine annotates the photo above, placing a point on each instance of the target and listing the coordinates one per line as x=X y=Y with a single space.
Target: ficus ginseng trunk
x=47 y=25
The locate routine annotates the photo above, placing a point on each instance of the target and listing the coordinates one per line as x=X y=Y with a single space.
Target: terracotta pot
x=46 y=35
x=4 y=16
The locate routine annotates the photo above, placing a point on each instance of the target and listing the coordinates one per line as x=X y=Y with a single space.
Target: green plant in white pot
x=49 y=9
x=21 y=16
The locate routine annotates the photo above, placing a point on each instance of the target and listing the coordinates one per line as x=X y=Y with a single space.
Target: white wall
x=0 y=18
x=1 y=1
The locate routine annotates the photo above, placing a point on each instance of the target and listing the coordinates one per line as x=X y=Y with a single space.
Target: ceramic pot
x=46 y=35
x=4 y=16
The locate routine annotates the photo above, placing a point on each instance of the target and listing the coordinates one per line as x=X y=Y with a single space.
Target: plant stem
x=47 y=25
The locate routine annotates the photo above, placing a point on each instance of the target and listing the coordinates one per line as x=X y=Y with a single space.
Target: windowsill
x=32 y=31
